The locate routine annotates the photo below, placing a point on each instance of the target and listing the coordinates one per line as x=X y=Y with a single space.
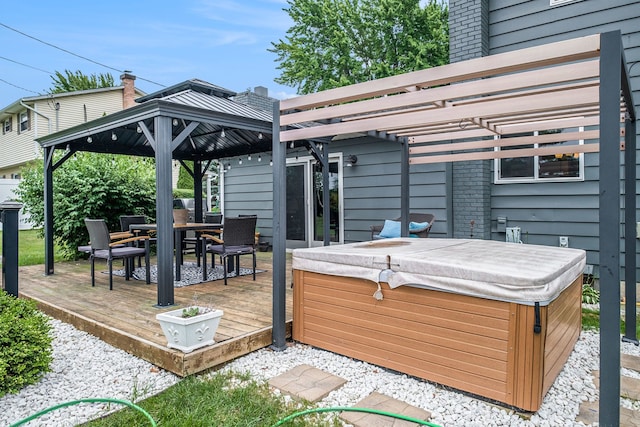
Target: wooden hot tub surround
x=483 y=346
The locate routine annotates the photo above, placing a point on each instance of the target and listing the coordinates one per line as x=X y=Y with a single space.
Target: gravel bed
x=86 y=367
x=83 y=367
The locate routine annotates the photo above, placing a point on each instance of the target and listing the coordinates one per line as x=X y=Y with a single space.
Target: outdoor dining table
x=178 y=229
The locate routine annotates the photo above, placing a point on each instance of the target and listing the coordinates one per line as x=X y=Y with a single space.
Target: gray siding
x=548 y=210
x=372 y=188
x=371 y=191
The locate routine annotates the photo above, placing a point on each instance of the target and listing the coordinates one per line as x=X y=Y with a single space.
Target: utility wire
x=16 y=86
x=26 y=65
x=74 y=54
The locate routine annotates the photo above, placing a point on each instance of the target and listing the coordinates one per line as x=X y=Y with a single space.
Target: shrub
x=89 y=185
x=25 y=343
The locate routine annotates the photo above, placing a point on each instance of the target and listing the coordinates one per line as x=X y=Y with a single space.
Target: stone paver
x=307 y=382
x=385 y=403
x=589 y=415
x=629 y=388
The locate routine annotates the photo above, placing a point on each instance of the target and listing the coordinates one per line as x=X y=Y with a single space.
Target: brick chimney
x=129 y=93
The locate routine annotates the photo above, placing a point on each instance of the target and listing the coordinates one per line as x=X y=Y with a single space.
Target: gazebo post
x=197 y=189
x=164 y=207
x=609 y=228
x=279 y=153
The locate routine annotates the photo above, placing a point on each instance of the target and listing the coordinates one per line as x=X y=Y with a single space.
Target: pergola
x=458 y=112
x=191 y=121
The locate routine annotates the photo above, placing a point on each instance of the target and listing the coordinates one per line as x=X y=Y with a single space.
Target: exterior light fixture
x=260 y=135
x=352 y=160
x=222 y=134
x=229 y=166
x=292 y=144
x=139 y=129
x=89 y=139
x=175 y=122
x=114 y=137
x=239 y=160
x=259 y=158
x=271 y=162
x=249 y=157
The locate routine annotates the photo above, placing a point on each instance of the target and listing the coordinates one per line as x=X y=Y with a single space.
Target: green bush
x=89 y=185
x=25 y=343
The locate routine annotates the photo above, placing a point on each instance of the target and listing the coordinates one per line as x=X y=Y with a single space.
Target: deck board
x=126 y=316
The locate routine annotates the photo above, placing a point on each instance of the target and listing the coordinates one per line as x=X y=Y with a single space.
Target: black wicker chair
x=238 y=238
x=103 y=247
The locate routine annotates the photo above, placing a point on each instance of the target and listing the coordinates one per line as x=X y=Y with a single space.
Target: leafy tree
x=78 y=81
x=89 y=185
x=340 y=42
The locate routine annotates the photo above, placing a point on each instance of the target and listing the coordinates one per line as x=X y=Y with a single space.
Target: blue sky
x=224 y=42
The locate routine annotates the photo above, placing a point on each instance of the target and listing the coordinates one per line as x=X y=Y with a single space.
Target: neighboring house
x=34 y=117
x=548 y=199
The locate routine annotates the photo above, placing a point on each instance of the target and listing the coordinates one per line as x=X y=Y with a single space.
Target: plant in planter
x=190 y=328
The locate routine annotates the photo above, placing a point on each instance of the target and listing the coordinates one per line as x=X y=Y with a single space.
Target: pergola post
x=279 y=234
x=630 y=231
x=164 y=207
x=48 y=210
x=404 y=187
x=609 y=228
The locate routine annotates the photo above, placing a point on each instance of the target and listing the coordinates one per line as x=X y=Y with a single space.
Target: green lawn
x=31 y=248
x=222 y=400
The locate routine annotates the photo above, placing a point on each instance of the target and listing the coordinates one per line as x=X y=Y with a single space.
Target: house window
x=561 y=2
x=24 y=121
x=6 y=126
x=568 y=166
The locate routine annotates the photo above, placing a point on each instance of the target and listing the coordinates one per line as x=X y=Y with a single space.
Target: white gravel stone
x=85 y=367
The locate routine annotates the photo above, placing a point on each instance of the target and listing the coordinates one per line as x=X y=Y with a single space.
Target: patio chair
x=419 y=226
x=209 y=218
x=238 y=238
x=126 y=221
x=103 y=247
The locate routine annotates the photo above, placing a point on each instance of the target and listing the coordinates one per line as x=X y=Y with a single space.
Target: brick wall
x=471 y=181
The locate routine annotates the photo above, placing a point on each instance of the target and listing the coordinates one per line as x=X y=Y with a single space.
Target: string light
x=249 y=157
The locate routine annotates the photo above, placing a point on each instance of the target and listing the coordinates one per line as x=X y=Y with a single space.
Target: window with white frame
x=24 y=121
x=6 y=126
x=568 y=166
x=561 y=2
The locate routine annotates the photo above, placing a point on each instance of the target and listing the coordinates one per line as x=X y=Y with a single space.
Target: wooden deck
x=126 y=316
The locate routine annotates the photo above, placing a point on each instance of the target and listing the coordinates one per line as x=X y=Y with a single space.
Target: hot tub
x=494 y=319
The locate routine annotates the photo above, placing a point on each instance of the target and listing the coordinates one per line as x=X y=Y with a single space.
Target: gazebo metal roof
x=205 y=107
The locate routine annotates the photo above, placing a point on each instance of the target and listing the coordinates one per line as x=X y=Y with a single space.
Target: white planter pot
x=189 y=333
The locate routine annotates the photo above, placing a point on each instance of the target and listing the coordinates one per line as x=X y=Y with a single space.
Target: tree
x=89 y=185
x=340 y=42
x=79 y=81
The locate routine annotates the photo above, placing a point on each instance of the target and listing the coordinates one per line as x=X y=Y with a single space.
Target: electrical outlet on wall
x=564 y=241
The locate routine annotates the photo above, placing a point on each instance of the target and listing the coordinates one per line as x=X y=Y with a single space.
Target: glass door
x=305 y=215
x=297 y=235
x=335 y=210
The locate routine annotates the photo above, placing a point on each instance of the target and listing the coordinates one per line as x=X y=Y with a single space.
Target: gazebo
x=458 y=112
x=190 y=121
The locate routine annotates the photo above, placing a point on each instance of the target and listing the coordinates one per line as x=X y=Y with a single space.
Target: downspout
x=36 y=127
